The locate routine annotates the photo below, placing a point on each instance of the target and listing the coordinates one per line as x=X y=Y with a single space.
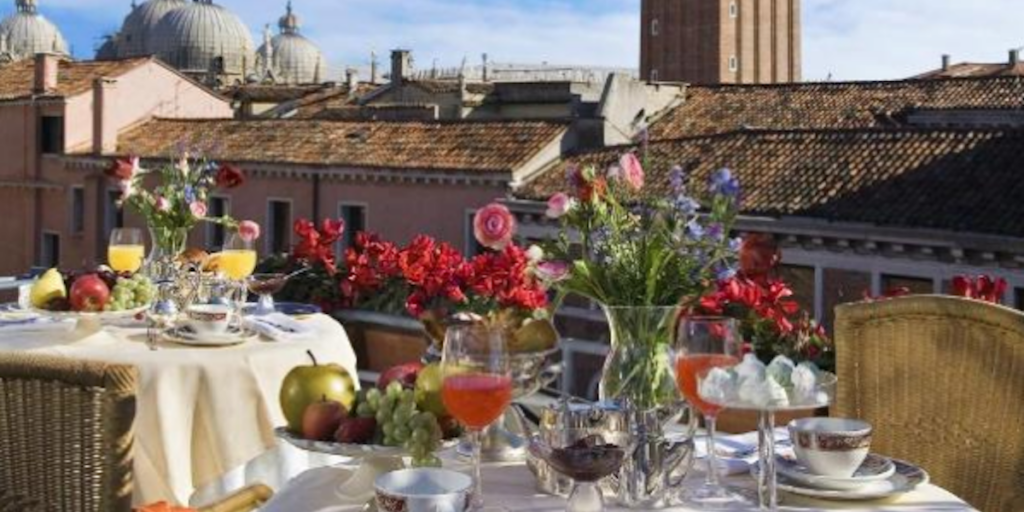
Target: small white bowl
x=423 y=490
x=210 y=319
x=832 y=447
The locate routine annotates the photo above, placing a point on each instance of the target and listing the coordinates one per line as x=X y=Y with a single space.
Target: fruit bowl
x=355 y=451
x=102 y=316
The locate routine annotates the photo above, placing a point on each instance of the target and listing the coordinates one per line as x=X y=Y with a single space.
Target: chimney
x=1015 y=57
x=104 y=128
x=47 y=66
x=351 y=81
x=400 y=64
x=945 y=62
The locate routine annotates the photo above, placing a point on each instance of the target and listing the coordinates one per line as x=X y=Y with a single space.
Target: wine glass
x=126 y=251
x=477 y=384
x=704 y=343
x=237 y=261
x=583 y=456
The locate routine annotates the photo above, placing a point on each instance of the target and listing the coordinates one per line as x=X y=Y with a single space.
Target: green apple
x=428 y=390
x=305 y=385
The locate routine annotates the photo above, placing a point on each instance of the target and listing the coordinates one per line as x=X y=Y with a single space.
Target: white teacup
x=423 y=490
x=833 y=447
x=211 y=319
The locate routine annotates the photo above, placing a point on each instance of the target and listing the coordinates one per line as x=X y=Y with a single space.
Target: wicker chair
x=942 y=381
x=66 y=437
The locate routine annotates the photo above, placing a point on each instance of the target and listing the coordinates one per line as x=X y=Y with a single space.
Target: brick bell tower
x=720 y=41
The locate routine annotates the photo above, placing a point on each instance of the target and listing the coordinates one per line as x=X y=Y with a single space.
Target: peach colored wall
x=150 y=90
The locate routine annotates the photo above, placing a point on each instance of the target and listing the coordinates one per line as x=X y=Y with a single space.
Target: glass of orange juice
x=704 y=343
x=238 y=258
x=477 y=384
x=126 y=251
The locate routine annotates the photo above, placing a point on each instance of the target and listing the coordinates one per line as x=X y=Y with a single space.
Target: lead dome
x=204 y=39
x=26 y=33
x=289 y=57
x=135 y=37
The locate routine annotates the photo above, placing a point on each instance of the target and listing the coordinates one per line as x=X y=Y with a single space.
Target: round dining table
x=200 y=412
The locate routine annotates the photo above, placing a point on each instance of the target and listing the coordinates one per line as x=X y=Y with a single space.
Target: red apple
x=405 y=374
x=89 y=293
x=356 y=431
x=322 y=419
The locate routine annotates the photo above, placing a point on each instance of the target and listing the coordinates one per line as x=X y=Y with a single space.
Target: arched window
x=655 y=27
x=734 y=10
x=734 y=64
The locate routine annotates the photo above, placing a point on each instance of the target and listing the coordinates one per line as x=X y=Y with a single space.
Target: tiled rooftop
x=17 y=78
x=444 y=146
x=725 y=108
x=264 y=93
x=330 y=98
x=960 y=180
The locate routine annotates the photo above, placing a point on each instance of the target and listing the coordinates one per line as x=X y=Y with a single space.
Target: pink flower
x=248 y=230
x=632 y=171
x=553 y=271
x=559 y=205
x=162 y=204
x=198 y=209
x=127 y=188
x=494 y=226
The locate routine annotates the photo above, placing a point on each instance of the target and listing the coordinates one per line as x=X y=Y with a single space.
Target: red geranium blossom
x=983 y=288
x=317 y=246
x=229 y=176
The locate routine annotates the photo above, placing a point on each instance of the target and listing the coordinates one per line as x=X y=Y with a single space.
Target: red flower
x=317 y=246
x=984 y=288
x=759 y=255
x=229 y=176
x=122 y=168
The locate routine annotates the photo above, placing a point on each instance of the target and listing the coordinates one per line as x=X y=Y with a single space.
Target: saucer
x=184 y=335
x=906 y=478
x=875 y=468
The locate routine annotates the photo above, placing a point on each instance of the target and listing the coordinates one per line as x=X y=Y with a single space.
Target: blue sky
x=847 y=39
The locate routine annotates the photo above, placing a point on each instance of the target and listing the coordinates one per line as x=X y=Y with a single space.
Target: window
x=655 y=27
x=734 y=64
x=50 y=254
x=279 y=223
x=801 y=281
x=216 y=235
x=473 y=247
x=916 y=285
x=654 y=75
x=77 y=210
x=113 y=214
x=354 y=216
x=52 y=135
x=1019 y=295
x=734 y=10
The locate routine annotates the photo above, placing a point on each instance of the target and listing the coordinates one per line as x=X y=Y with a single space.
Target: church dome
x=203 y=37
x=26 y=33
x=137 y=31
x=289 y=57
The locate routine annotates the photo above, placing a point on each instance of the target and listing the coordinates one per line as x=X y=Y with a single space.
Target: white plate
x=874 y=469
x=349 y=450
x=182 y=335
x=906 y=478
x=104 y=316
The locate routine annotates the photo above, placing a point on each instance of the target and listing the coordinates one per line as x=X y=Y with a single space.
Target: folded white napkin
x=35 y=325
x=736 y=453
x=279 y=327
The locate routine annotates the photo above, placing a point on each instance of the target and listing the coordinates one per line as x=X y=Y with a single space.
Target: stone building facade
x=720 y=41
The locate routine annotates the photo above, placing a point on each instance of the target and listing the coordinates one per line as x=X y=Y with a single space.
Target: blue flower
x=726 y=273
x=723 y=183
x=190 y=194
x=686 y=205
x=695 y=230
x=677 y=178
x=716 y=231
x=735 y=244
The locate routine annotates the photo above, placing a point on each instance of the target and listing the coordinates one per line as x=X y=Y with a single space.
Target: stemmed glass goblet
x=583 y=456
x=477 y=384
x=703 y=343
x=237 y=261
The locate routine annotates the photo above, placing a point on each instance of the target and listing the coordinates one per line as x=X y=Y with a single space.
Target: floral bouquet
x=433 y=282
x=642 y=259
x=179 y=201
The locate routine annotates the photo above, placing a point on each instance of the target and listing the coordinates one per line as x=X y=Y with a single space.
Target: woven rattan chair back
x=942 y=381
x=66 y=433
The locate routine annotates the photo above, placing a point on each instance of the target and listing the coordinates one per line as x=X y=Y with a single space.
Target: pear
x=49 y=286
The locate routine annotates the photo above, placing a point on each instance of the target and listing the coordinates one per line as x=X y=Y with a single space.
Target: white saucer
x=184 y=335
x=906 y=478
x=875 y=468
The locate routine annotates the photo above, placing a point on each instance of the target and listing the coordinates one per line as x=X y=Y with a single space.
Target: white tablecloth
x=512 y=486
x=201 y=412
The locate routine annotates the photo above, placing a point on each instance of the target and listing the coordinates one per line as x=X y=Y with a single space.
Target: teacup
x=211 y=319
x=833 y=447
x=423 y=490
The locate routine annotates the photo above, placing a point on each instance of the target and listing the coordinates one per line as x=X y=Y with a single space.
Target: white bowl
x=832 y=447
x=423 y=490
x=211 y=319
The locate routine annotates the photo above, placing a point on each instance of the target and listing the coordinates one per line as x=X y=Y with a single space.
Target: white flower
x=535 y=254
x=183 y=165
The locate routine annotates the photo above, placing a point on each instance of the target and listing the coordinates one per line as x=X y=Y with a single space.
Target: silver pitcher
x=655 y=464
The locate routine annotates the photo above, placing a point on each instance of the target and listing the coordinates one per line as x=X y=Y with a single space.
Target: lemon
x=49 y=286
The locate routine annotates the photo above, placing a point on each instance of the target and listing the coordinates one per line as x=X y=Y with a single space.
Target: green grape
x=364 y=410
x=389 y=429
x=381 y=417
x=373 y=397
x=408 y=397
x=394 y=389
x=401 y=433
x=418 y=451
x=420 y=436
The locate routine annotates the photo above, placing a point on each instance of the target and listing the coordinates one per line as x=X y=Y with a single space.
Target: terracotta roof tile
x=445 y=146
x=959 y=180
x=261 y=93
x=330 y=98
x=725 y=108
x=17 y=78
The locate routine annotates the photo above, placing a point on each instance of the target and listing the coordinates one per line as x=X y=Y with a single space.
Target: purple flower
x=723 y=183
x=695 y=230
x=686 y=205
x=726 y=273
x=735 y=244
x=677 y=178
x=190 y=194
x=553 y=271
x=715 y=231
x=572 y=176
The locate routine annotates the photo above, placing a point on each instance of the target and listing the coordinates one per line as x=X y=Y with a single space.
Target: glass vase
x=637 y=373
x=167 y=244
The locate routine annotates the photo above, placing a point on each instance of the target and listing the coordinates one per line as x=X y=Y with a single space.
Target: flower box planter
x=741 y=422
x=382 y=341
